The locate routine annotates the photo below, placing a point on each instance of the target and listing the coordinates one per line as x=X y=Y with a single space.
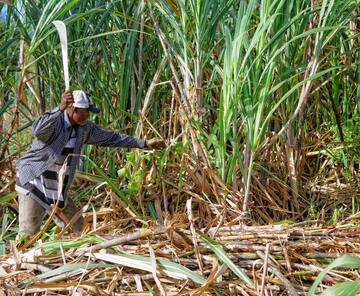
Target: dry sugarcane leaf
x=154 y=271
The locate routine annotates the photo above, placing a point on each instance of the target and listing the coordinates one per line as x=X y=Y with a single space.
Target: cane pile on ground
x=173 y=259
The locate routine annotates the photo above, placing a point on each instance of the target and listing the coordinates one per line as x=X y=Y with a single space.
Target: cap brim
x=93 y=109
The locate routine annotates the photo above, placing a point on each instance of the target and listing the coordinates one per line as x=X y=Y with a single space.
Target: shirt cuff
x=141 y=143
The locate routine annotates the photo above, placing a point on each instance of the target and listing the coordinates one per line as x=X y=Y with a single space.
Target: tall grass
x=268 y=74
x=245 y=81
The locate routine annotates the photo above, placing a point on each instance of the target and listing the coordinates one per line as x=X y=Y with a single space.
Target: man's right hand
x=154 y=143
x=67 y=100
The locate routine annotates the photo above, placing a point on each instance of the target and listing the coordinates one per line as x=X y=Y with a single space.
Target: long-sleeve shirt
x=52 y=131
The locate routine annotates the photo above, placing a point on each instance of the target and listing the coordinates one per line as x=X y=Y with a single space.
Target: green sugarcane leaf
x=351 y=288
x=72 y=267
x=64 y=269
x=8 y=197
x=346 y=261
x=170 y=268
x=221 y=254
x=151 y=290
x=55 y=246
x=112 y=185
x=2 y=247
x=6 y=106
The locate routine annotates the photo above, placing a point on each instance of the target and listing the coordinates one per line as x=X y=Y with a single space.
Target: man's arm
x=45 y=126
x=101 y=137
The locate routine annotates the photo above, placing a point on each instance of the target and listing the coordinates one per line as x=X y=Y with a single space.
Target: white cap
x=82 y=100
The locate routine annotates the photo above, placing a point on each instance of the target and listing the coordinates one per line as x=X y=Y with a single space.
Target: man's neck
x=68 y=118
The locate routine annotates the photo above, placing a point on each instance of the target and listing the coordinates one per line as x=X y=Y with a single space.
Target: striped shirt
x=53 y=131
x=44 y=188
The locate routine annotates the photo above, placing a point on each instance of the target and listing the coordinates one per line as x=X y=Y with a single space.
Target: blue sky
x=3 y=12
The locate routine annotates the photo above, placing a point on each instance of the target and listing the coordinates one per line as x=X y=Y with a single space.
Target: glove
x=154 y=143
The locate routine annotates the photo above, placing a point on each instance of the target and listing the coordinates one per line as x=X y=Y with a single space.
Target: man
x=60 y=136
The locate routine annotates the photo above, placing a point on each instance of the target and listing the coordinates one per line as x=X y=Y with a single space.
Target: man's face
x=79 y=115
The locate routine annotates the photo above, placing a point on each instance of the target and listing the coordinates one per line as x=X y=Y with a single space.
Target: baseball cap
x=83 y=100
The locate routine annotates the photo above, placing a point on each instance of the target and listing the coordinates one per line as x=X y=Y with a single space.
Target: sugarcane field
x=180 y=147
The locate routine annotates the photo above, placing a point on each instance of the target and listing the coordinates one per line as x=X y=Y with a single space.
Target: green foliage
x=344 y=289
x=134 y=183
x=53 y=246
x=346 y=153
x=123 y=172
x=8 y=197
x=350 y=288
x=237 y=72
x=256 y=89
x=7 y=231
x=113 y=185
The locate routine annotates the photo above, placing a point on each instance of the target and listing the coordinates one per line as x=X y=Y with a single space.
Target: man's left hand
x=154 y=143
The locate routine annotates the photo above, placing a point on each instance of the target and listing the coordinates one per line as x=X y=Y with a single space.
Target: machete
x=61 y=28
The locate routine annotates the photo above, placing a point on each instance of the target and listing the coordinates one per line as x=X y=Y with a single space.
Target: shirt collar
x=67 y=120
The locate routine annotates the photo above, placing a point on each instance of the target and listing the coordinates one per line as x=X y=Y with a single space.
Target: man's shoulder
x=89 y=124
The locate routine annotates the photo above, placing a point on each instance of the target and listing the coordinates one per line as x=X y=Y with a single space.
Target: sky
x=3 y=12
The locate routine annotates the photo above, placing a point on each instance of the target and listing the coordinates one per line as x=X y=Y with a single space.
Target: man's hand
x=67 y=100
x=154 y=143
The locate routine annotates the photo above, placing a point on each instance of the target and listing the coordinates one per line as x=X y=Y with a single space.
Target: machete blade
x=61 y=28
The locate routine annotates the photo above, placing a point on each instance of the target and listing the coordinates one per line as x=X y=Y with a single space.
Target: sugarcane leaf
x=6 y=106
x=351 y=288
x=7 y=197
x=221 y=254
x=54 y=246
x=177 y=269
x=346 y=261
x=112 y=184
x=170 y=268
x=2 y=247
x=64 y=269
x=72 y=267
x=151 y=290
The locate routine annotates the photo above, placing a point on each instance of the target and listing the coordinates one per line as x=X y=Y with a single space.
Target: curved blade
x=61 y=28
